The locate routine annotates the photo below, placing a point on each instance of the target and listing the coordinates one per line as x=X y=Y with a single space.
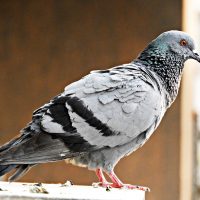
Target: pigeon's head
x=177 y=44
x=166 y=56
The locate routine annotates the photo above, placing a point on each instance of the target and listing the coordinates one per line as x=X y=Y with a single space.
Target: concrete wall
x=46 y=44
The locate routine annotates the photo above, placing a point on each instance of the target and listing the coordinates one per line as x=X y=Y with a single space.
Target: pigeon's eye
x=183 y=42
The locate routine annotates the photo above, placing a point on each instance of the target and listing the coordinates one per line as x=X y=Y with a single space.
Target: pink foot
x=118 y=184
x=102 y=180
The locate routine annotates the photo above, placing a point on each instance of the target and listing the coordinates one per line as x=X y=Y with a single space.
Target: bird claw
x=116 y=183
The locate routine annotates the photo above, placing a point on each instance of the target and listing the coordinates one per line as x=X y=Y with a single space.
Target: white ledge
x=28 y=191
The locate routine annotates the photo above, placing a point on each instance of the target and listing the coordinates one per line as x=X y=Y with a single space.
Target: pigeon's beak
x=195 y=56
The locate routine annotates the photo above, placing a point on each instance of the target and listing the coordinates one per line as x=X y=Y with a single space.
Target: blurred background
x=47 y=44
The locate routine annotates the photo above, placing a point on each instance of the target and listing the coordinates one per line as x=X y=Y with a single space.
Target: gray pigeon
x=104 y=116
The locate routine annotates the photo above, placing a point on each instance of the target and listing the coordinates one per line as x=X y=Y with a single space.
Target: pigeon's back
x=127 y=99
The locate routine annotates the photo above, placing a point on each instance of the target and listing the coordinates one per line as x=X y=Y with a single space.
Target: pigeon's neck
x=168 y=68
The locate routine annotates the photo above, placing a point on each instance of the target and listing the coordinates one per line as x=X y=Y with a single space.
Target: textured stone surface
x=29 y=191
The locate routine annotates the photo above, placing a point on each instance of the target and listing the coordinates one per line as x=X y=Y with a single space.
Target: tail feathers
x=6 y=168
x=20 y=170
x=8 y=145
x=30 y=149
x=35 y=149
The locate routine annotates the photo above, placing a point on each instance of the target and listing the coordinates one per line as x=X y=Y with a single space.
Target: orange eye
x=183 y=42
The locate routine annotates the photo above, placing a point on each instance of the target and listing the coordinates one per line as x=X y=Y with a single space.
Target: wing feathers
x=80 y=109
x=103 y=109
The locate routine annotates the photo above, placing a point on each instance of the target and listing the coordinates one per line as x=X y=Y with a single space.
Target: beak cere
x=196 y=56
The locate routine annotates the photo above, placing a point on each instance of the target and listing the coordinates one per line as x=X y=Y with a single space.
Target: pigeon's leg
x=118 y=184
x=102 y=179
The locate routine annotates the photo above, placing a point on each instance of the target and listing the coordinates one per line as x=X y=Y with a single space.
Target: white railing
x=28 y=191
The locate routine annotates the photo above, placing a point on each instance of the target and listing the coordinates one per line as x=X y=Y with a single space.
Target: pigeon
x=106 y=115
